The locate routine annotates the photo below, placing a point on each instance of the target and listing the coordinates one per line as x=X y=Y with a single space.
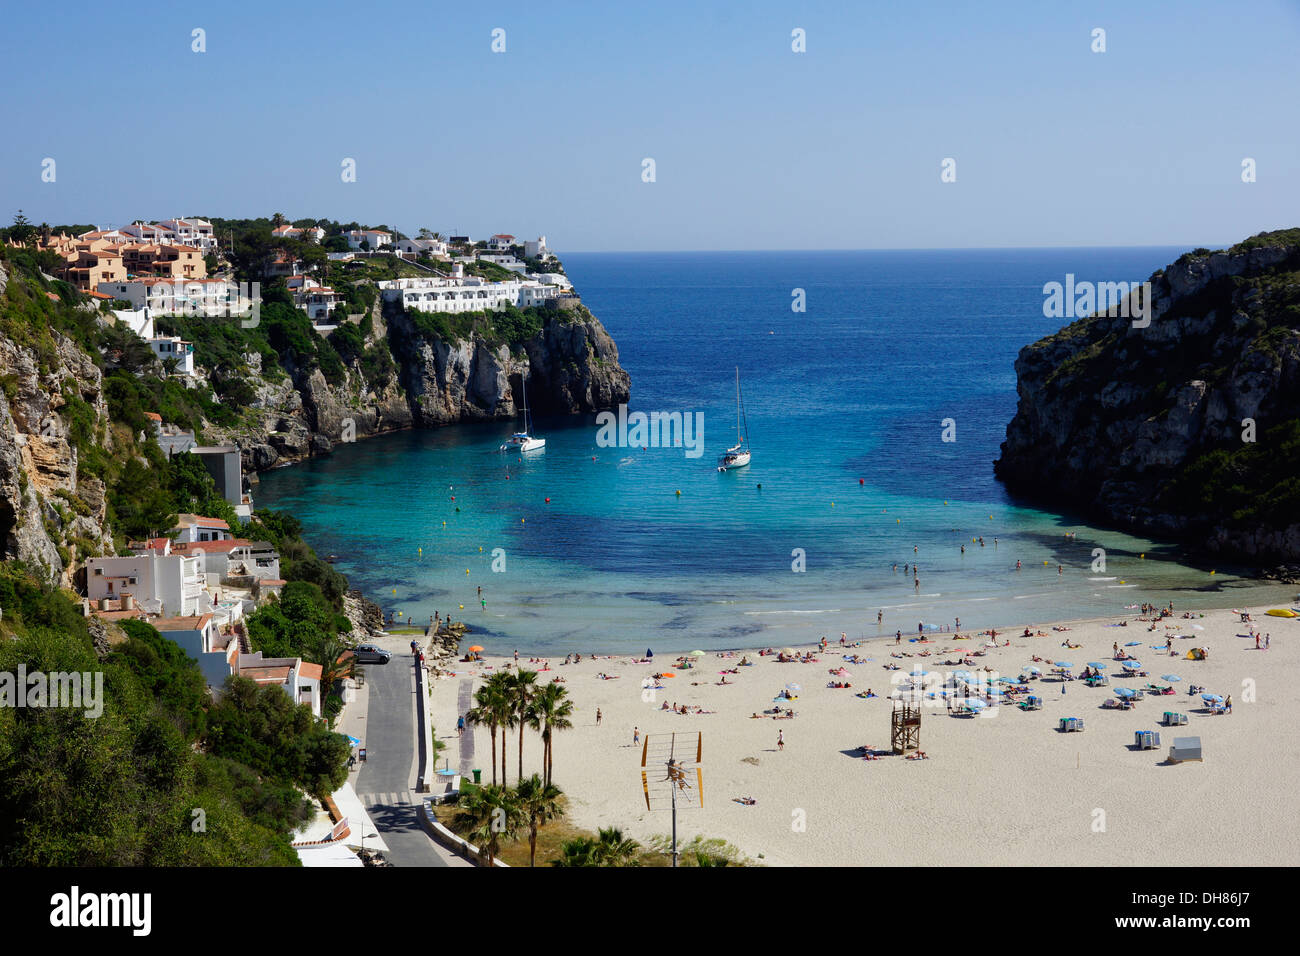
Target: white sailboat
x=524 y=441
x=737 y=456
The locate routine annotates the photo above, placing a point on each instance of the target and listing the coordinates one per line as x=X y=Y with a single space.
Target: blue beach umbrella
x=1096 y=665
x=1064 y=664
x=1212 y=698
x=1172 y=678
x=1125 y=692
x=1133 y=644
x=1033 y=669
x=354 y=741
x=1132 y=665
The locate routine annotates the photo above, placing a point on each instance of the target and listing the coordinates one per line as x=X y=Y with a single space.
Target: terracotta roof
x=194 y=622
x=201 y=520
x=118 y=615
x=154 y=415
x=310 y=670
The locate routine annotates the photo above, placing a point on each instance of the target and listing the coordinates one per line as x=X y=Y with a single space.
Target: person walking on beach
x=1265 y=642
x=898 y=637
x=880 y=617
x=1017 y=564
x=516 y=657
x=780 y=738
x=460 y=725
x=597 y=716
x=636 y=736
x=1256 y=641
x=1227 y=705
x=956 y=623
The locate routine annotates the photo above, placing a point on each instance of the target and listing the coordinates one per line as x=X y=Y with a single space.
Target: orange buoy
x=548 y=501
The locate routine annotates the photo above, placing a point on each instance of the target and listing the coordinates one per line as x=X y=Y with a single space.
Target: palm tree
x=539 y=802
x=552 y=710
x=608 y=849
x=490 y=702
x=523 y=690
x=333 y=668
x=495 y=814
x=613 y=850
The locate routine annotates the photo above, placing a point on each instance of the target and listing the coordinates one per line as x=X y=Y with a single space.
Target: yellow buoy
x=1211 y=572
x=462 y=607
x=679 y=491
x=898 y=521
x=480 y=549
x=467 y=570
x=394 y=590
x=945 y=504
x=421 y=550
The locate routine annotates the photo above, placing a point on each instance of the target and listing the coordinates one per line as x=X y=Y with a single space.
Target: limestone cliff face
x=571 y=366
x=1150 y=428
x=48 y=517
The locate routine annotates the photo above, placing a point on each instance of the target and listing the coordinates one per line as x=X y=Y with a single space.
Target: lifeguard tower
x=905 y=727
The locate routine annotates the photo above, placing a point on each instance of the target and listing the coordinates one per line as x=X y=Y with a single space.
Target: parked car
x=371 y=654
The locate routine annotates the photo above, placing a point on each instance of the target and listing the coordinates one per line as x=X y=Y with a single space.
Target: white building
x=198 y=528
x=300 y=680
x=173 y=347
x=536 y=248
x=139 y=321
x=318 y=302
x=287 y=231
x=419 y=247
x=473 y=294
x=504 y=260
x=200 y=638
x=374 y=238
x=191 y=232
x=180 y=296
x=501 y=242
x=157 y=581
x=552 y=278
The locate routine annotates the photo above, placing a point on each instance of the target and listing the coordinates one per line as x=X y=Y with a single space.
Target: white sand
x=1005 y=789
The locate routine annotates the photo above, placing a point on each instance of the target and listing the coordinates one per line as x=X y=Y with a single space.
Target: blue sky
x=755 y=146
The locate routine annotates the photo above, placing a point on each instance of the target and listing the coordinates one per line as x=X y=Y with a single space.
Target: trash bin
x=478 y=775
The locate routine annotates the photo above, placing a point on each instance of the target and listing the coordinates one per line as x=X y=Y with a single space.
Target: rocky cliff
x=49 y=517
x=571 y=366
x=1187 y=428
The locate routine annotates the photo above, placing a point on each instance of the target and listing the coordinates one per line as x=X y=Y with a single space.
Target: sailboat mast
x=737 y=404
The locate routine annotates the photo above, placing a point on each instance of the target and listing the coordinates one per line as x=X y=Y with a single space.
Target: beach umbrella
x=1133 y=644
x=975 y=704
x=697 y=653
x=964 y=675
x=1212 y=698
x=1097 y=665
x=793 y=687
x=1172 y=678
x=354 y=741
x=1064 y=664
x=1125 y=692
x=476 y=648
x=787 y=651
x=1132 y=665
x=1033 y=669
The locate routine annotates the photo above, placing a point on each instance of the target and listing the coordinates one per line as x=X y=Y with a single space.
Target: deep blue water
x=844 y=404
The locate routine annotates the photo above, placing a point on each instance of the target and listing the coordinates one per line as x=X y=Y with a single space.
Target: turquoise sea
x=845 y=403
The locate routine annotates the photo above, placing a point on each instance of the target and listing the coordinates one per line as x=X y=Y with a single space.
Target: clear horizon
x=756 y=146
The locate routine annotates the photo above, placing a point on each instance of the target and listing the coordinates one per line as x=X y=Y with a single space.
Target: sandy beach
x=1003 y=788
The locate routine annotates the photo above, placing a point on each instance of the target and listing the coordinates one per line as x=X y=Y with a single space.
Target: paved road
x=386 y=780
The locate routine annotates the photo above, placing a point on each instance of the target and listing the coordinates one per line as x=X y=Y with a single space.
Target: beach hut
x=1174 y=720
x=1071 y=725
x=1184 y=749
